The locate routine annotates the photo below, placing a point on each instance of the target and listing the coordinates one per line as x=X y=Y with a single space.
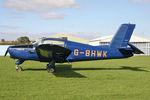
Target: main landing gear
x=51 y=67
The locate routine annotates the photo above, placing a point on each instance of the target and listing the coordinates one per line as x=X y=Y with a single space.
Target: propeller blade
x=6 y=52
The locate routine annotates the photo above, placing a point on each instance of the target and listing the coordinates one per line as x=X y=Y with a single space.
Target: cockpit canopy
x=54 y=41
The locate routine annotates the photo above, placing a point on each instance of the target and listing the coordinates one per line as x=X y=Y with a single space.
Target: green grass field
x=122 y=79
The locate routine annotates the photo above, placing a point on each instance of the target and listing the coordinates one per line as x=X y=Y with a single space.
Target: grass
x=122 y=79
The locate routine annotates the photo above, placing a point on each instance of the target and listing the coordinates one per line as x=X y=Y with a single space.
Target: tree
x=23 y=39
x=2 y=40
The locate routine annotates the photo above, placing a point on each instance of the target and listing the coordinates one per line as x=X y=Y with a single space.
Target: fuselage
x=80 y=52
x=83 y=52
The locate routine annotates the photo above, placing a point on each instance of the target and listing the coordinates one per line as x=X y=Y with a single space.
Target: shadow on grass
x=64 y=70
x=121 y=68
x=67 y=71
x=34 y=69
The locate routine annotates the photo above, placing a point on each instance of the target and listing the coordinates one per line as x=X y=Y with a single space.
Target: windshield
x=53 y=41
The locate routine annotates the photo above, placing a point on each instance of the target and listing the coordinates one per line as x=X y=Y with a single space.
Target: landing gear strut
x=51 y=67
x=18 y=62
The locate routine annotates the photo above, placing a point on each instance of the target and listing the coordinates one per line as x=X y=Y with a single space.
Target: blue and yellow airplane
x=60 y=50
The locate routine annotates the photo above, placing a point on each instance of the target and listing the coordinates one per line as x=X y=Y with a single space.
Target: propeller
x=6 y=52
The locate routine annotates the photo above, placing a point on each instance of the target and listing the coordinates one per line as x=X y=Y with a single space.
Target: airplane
x=61 y=50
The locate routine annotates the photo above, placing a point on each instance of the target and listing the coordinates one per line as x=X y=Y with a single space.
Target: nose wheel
x=51 y=67
x=18 y=62
x=19 y=69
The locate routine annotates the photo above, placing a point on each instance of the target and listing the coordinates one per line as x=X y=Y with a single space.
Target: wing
x=47 y=52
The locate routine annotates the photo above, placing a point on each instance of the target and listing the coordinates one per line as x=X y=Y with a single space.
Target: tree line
x=19 y=40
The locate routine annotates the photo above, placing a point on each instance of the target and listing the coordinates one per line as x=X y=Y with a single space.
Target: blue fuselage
x=80 y=52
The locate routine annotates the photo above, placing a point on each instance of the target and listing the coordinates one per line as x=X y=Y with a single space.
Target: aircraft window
x=60 y=43
x=54 y=42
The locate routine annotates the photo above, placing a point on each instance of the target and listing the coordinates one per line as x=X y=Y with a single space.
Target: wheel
x=51 y=67
x=50 y=70
x=19 y=69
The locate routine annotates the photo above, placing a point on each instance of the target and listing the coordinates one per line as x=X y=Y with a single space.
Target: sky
x=88 y=19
